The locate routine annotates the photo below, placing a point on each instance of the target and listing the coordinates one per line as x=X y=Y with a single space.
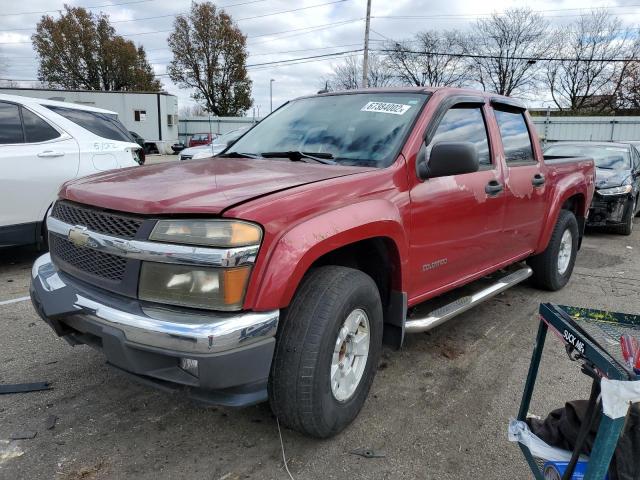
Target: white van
x=44 y=143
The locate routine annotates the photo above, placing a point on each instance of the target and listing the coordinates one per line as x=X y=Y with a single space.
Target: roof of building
x=88 y=91
x=43 y=101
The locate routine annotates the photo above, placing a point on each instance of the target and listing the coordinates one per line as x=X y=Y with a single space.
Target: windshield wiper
x=298 y=156
x=238 y=155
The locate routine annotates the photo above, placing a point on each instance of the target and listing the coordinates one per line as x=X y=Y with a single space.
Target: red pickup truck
x=277 y=270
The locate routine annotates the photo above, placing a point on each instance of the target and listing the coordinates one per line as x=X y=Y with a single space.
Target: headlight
x=195 y=287
x=615 y=190
x=211 y=233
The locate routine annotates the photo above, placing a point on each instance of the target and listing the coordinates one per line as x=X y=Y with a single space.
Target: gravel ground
x=438 y=408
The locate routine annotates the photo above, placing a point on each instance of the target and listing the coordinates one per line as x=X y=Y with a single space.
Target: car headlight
x=195 y=287
x=209 y=233
x=214 y=288
x=616 y=190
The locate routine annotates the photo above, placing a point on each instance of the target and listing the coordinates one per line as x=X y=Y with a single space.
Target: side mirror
x=449 y=158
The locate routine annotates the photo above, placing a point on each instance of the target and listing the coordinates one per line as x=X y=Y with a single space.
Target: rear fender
x=565 y=188
x=298 y=248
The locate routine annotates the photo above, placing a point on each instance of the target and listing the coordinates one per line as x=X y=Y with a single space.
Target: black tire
x=627 y=221
x=545 y=265
x=300 y=392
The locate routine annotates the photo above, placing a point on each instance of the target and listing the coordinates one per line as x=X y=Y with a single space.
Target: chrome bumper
x=176 y=330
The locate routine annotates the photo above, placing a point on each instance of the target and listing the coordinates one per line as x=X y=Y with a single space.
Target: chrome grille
x=97 y=220
x=87 y=260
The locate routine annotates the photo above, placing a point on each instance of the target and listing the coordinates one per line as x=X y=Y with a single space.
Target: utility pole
x=271 y=95
x=365 y=61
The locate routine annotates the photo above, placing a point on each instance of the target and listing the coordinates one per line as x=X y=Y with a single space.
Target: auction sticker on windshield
x=384 y=107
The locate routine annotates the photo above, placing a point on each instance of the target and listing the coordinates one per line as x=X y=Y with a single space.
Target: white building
x=152 y=115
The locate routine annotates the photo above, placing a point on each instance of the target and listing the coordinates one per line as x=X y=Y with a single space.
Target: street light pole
x=271 y=94
x=365 y=61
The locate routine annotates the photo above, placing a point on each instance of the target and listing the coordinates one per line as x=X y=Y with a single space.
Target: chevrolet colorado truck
x=277 y=270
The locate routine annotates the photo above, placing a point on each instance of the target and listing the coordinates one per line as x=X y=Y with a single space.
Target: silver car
x=215 y=147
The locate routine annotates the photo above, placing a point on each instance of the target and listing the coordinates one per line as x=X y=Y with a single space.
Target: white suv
x=43 y=144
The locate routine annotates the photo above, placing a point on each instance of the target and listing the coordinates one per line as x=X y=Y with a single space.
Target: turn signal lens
x=235 y=282
x=210 y=233
x=195 y=287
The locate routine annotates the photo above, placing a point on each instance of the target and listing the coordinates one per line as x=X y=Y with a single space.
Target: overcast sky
x=314 y=29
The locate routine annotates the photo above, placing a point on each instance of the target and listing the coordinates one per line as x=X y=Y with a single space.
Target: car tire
x=552 y=268
x=627 y=221
x=321 y=373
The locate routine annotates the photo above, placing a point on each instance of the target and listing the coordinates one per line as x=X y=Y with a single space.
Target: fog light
x=189 y=365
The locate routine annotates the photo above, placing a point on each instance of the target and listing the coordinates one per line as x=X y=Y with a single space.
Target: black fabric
x=560 y=429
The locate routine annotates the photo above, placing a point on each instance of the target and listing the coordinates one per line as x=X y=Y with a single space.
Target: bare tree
x=505 y=49
x=348 y=75
x=586 y=78
x=431 y=58
x=629 y=95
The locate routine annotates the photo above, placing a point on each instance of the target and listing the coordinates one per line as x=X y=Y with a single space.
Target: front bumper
x=607 y=210
x=233 y=351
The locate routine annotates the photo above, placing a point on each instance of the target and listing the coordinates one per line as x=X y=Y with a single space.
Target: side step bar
x=463 y=304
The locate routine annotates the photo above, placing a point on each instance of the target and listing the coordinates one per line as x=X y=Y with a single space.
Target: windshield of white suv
x=362 y=129
x=608 y=157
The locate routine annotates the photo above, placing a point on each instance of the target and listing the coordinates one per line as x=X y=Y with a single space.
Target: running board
x=463 y=304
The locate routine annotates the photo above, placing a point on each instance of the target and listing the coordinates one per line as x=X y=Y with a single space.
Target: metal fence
x=215 y=125
x=554 y=129
x=549 y=128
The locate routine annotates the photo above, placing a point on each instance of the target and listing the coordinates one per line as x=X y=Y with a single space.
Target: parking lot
x=438 y=408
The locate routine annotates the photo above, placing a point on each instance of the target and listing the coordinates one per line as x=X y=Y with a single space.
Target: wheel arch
x=368 y=236
x=573 y=199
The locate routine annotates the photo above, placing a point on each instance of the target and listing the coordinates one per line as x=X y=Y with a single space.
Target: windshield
x=364 y=129
x=608 y=157
x=228 y=137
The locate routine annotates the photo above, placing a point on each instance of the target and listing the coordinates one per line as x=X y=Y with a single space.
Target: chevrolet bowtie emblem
x=78 y=236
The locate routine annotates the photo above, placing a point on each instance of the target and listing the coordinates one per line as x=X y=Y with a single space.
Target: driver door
x=456 y=221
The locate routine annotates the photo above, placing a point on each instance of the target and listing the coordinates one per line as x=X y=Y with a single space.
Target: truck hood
x=606 y=178
x=199 y=186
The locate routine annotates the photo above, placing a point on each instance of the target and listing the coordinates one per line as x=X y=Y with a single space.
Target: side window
x=636 y=158
x=101 y=124
x=464 y=124
x=140 y=115
x=515 y=137
x=10 y=124
x=36 y=129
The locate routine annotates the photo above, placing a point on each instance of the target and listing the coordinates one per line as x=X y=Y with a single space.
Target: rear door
x=524 y=181
x=455 y=223
x=35 y=159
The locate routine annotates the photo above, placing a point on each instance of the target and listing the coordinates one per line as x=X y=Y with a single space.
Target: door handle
x=537 y=180
x=493 y=187
x=50 y=154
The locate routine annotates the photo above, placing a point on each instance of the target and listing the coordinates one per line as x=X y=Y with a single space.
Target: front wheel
x=327 y=351
x=627 y=221
x=552 y=268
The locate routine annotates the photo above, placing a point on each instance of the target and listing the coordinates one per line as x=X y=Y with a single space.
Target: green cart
x=592 y=338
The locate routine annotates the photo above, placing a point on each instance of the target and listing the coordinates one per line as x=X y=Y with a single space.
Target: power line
x=502 y=57
x=130 y=2
x=149 y=18
x=325 y=55
x=252 y=17
x=474 y=15
x=237 y=20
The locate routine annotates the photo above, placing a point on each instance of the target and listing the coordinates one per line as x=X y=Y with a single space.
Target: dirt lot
x=438 y=408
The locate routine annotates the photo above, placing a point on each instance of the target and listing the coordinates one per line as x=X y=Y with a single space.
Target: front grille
x=97 y=220
x=92 y=262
